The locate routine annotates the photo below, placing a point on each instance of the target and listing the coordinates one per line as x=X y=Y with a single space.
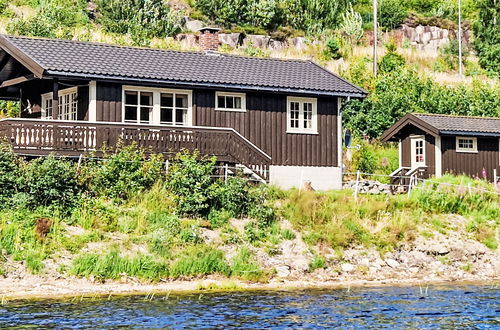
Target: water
x=387 y=307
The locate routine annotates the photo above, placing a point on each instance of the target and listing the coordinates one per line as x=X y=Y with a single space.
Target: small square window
x=302 y=115
x=466 y=144
x=230 y=101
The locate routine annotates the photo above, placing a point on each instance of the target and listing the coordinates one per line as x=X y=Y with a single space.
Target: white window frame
x=156 y=112
x=314 y=119
x=241 y=95
x=61 y=96
x=466 y=150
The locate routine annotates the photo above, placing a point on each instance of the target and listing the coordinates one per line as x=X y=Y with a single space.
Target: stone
x=193 y=25
x=283 y=271
x=188 y=40
x=297 y=42
x=392 y=263
x=259 y=41
x=347 y=268
x=231 y=39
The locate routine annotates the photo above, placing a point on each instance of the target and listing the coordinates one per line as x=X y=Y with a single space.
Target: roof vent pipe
x=209 y=38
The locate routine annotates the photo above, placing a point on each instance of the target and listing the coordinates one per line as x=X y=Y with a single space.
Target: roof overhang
x=469 y=133
x=409 y=119
x=21 y=57
x=187 y=84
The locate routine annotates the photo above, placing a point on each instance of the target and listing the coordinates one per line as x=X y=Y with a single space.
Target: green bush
x=366 y=160
x=219 y=218
x=142 y=19
x=50 y=181
x=231 y=195
x=487 y=36
x=189 y=180
x=36 y=26
x=392 y=61
x=9 y=175
x=392 y=14
x=332 y=49
x=3 y=6
x=123 y=173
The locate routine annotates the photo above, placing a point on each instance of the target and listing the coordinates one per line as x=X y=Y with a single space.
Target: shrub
x=9 y=175
x=231 y=195
x=123 y=173
x=366 y=160
x=142 y=19
x=244 y=266
x=318 y=262
x=189 y=180
x=3 y=6
x=332 y=49
x=50 y=181
x=392 y=14
x=219 y=218
x=9 y=109
x=391 y=61
x=36 y=26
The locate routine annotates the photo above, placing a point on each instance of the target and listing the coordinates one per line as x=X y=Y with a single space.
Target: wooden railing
x=72 y=138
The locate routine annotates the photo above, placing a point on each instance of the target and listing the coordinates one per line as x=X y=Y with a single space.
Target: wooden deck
x=73 y=138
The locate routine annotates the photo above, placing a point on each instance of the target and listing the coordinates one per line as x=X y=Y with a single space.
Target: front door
x=417 y=151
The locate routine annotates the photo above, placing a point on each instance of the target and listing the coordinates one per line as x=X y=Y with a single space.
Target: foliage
x=49 y=181
x=244 y=266
x=9 y=109
x=332 y=48
x=142 y=19
x=352 y=25
x=51 y=16
x=318 y=262
x=112 y=265
x=391 y=61
x=9 y=175
x=365 y=159
x=200 y=260
x=487 y=36
x=189 y=180
x=392 y=14
x=395 y=94
x=449 y=55
x=122 y=173
x=3 y=6
x=231 y=196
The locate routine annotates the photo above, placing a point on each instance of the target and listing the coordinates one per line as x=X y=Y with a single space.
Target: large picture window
x=68 y=105
x=302 y=115
x=156 y=106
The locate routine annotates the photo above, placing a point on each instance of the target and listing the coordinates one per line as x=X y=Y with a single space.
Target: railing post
x=226 y=167
x=356 y=187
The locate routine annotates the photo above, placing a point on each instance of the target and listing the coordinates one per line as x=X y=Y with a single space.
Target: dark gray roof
x=462 y=124
x=63 y=57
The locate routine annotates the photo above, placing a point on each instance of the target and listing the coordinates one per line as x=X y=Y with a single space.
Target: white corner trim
x=438 y=158
x=241 y=95
x=93 y=101
x=400 y=152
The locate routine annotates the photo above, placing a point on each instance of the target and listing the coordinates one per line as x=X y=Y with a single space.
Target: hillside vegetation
x=124 y=216
x=409 y=80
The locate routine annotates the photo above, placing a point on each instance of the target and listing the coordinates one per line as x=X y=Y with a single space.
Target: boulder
x=231 y=39
x=193 y=25
x=259 y=41
x=392 y=263
x=347 y=268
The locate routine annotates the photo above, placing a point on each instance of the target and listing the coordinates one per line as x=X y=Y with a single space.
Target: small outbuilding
x=437 y=144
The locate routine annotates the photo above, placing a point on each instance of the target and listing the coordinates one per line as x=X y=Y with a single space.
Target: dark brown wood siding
x=471 y=164
x=31 y=96
x=264 y=124
x=83 y=103
x=430 y=152
x=109 y=102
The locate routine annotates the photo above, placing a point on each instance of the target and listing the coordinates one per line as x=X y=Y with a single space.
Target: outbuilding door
x=417 y=151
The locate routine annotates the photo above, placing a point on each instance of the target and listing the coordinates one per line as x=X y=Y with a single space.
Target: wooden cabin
x=439 y=144
x=280 y=119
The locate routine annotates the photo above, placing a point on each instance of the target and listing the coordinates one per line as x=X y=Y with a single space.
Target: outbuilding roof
x=447 y=125
x=51 y=57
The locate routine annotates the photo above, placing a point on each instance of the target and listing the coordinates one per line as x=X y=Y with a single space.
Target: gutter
x=469 y=133
x=53 y=73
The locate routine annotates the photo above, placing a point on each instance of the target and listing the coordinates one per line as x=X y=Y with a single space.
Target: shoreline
x=17 y=290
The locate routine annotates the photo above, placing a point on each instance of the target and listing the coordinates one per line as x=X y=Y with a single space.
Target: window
x=301 y=115
x=173 y=108
x=419 y=151
x=156 y=106
x=138 y=107
x=466 y=144
x=230 y=101
x=68 y=105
